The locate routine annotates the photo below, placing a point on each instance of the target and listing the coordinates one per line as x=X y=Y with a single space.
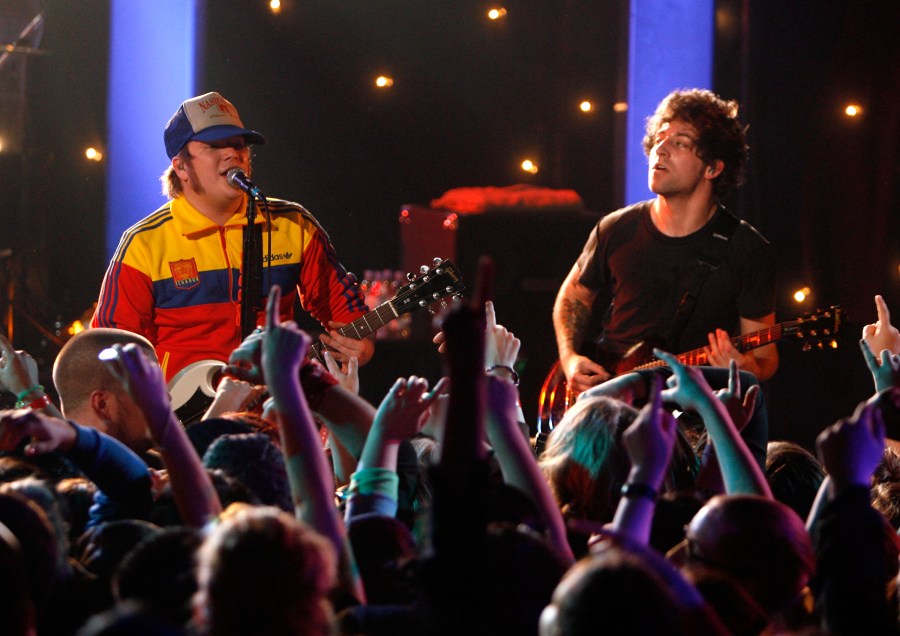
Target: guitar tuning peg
x=424 y=269
x=410 y=276
x=457 y=298
x=435 y=262
x=422 y=303
x=436 y=296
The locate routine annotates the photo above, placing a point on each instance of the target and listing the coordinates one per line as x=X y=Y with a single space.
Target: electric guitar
x=193 y=388
x=819 y=329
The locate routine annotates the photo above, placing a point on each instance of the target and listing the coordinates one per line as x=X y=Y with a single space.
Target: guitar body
x=814 y=330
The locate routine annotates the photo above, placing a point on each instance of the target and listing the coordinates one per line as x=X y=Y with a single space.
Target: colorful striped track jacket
x=175 y=279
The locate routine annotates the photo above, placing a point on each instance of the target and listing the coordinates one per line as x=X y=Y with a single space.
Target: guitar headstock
x=819 y=329
x=433 y=285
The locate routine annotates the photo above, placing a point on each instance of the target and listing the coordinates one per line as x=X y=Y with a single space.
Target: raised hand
x=403 y=410
x=881 y=334
x=740 y=409
x=885 y=371
x=853 y=447
x=689 y=389
x=500 y=346
x=649 y=440
x=233 y=395
x=348 y=375
x=285 y=344
x=18 y=370
x=687 y=386
x=142 y=377
x=245 y=362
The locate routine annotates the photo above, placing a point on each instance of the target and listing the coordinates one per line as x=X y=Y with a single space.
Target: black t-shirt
x=646 y=273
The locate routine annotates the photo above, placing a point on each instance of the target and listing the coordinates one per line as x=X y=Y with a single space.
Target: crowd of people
x=432 y=513
x=294 y=506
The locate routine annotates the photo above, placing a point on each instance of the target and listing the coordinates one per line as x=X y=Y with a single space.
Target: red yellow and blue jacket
x=174 y=279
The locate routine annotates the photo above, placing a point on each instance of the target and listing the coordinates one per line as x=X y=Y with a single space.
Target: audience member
x=500 y=529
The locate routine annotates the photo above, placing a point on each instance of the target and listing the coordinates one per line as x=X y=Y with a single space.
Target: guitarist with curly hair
x=680 y=270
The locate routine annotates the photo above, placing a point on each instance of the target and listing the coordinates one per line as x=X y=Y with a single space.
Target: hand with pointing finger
x=885 y=369
x=881 y=334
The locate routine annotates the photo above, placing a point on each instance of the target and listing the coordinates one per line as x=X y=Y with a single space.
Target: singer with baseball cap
x=175 y=277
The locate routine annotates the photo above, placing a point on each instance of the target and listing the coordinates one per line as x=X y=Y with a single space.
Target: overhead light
x=802 y=294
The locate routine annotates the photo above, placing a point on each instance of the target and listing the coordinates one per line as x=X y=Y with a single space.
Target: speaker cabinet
x=532 y=252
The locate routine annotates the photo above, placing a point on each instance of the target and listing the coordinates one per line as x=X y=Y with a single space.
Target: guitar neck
x=744 y=342
x=358 y=329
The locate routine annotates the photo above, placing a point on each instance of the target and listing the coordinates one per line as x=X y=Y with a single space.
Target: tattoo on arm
x=575 y=317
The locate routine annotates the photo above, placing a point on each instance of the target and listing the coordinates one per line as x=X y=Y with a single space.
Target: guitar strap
x=711 y=254
x=251 y=277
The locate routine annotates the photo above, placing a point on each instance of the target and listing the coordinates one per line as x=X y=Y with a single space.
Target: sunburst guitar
x=814 y=330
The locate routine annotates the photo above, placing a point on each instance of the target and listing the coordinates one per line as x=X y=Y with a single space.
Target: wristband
x=21 y=396
x=512 y=372
x=40 y=403
x=631 y=491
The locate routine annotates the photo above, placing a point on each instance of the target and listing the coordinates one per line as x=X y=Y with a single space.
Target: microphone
x=239 y=180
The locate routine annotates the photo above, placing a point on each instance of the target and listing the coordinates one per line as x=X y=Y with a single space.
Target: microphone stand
x=251 y=272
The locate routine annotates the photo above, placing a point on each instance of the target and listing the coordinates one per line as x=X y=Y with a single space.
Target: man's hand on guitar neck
x=761 y=362
x=344 y=347
x=721 y=350
x=583 y=373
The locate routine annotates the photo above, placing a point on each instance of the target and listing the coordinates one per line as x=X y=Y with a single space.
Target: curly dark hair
x=721 y=136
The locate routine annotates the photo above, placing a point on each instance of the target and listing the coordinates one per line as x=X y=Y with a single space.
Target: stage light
x=586 y=106
x=802 y=294
x=75 y=327
x=853 y=110
x=275 y=6
x=529 y=166
x=93 y=154
x=383 y=81
x=449 y=223
x=1 y=144
x=620 y=107
x=496 y=13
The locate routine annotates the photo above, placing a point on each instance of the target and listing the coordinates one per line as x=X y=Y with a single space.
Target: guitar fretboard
x=742 y=343
x=358 y=329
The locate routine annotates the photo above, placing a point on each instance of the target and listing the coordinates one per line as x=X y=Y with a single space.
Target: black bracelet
x=512 y=372
x=638 y=490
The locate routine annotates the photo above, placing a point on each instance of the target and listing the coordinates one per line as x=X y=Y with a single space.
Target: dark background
x=471 y=99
